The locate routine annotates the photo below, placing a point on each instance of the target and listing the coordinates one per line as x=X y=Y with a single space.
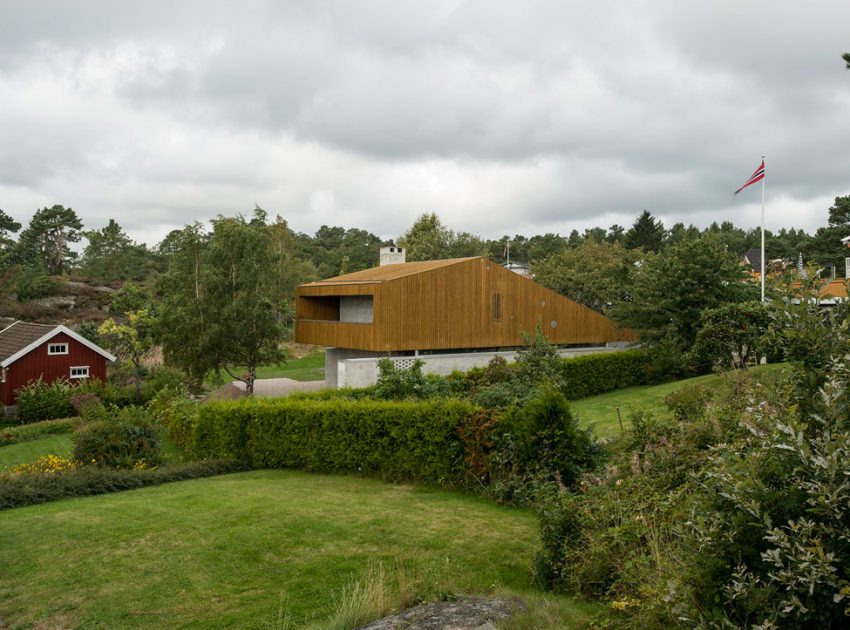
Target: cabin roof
x=385 y=273
x=19 y=338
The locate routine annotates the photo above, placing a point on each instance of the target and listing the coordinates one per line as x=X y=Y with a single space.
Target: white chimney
x=392 y=255
x=847 y=267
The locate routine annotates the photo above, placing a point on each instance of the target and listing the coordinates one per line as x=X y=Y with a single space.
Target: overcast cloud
x=501 y=116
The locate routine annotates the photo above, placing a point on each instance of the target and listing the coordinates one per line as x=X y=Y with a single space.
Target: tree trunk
x=249 y=382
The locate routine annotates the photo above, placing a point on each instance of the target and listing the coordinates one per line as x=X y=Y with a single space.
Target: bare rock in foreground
x=467 y=613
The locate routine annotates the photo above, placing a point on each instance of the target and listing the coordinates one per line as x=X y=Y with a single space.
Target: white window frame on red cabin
x=51 y=346
x=79 y=367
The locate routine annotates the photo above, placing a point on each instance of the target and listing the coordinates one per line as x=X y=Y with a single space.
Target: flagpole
x=763 y=269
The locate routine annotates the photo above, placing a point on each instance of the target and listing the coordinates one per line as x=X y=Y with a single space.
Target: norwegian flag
x=756 y=177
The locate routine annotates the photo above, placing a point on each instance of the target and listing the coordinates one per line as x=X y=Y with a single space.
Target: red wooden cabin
x=29 y=351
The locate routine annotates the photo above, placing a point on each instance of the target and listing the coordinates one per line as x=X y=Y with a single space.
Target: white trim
x=64 y=344
x=47 y=337
x=78 y=367
x=10 y=325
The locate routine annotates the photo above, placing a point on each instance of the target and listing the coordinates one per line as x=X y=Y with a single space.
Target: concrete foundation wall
x=356 y=309
x=361 y=371
x=335 y=359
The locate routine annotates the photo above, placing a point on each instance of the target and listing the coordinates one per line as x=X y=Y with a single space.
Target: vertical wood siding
x=451 y=307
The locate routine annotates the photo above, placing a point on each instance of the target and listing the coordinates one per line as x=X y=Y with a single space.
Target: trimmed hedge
x=394 y=440
x=599 y=373
x=33 y=488
x=36 y=430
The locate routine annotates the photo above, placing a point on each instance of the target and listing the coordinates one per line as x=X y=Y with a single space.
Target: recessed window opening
x=80 y=371
x=497 y=307
x=57 y=348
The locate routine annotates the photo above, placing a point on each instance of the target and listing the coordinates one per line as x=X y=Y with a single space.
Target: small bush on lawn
x=44 y=401
x=30 y=488
x=123 y=442
x=36 y=430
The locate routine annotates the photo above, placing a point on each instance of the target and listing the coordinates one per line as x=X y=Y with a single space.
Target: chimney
x=847 y=267
x=392 y=255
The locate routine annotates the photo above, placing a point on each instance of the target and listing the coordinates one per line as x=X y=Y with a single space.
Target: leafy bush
x=36 y=430
x=173 y=409
x=45 y=401
x=689 y=402
x=120 y=443
x=396 y=383
x=35 y=487
x=394 y=440
x=34 y=284
x=538 y=443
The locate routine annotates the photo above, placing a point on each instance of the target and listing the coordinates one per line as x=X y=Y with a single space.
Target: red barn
x=29 y=351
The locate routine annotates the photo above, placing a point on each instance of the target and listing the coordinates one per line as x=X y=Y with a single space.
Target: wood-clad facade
x=463 y=303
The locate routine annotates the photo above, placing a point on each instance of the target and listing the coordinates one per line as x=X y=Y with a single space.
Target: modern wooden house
x=32 y=351
x=451 y=306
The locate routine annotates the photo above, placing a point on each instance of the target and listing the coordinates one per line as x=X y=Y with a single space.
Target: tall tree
x=826 y=247
x=670 y=290
x=593 y=274
x=8 y=226
x=427 y=239
x=111 y=255
x=131 y=341
x=846 y=58
x=219 y=310
x=45 y=240
x=647 y=233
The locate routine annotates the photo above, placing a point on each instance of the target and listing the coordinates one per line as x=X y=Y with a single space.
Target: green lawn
x=24 y=452
x=308 y=368
x=600 y=412
x=257 y=549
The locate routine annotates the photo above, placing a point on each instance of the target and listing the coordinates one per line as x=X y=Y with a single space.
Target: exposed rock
x=467 y=613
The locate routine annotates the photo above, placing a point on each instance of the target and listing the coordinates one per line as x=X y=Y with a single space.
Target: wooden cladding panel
x=451 y=307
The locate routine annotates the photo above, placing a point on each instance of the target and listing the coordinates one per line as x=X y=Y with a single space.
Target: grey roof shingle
x=19 y=335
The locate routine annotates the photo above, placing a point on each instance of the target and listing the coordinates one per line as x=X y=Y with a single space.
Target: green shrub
x=45 y=401
x=603 y=372
x=31 y=489
x=34 y=284
x=689 y=402
x=36 y=430
x=393 y=440
x=121 y=443
x=542 y=440
x=396 y=383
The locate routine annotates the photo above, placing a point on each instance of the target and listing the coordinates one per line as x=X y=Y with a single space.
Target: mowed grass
x=308 y=368
x=600 y=412
x=249 y=550
x=25 y=452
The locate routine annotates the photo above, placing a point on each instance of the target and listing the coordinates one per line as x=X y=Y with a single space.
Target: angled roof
x=388 y=272
x=753 y=257
x=19 y=338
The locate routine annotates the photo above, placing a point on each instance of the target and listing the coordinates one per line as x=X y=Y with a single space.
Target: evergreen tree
x=111 y=255
x=8 y=226
x=44 y=243
x=427 y=239
x=647 y=233
x=826 y=246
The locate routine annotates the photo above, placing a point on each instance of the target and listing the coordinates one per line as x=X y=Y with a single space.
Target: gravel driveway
x=281 y=386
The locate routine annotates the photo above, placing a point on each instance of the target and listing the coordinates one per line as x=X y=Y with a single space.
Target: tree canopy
x=647 y=233
x=45 y=240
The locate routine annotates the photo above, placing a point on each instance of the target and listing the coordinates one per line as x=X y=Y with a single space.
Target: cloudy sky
x=501 y=116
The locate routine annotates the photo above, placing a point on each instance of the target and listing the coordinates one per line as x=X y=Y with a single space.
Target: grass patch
x=25 y=452
x=600 y=412
x=308 y=368
x=255 y=549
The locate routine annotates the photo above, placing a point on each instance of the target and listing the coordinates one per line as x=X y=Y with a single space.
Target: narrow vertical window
x=497 y=307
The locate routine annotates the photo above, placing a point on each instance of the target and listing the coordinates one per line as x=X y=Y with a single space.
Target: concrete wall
x=351 y=371
x=356 y=309
x=336 y=357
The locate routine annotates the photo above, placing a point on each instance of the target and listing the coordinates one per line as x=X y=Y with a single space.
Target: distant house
x=453 y=314
x=32 y=351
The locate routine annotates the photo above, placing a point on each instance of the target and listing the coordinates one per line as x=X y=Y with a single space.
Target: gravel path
x=281 y=386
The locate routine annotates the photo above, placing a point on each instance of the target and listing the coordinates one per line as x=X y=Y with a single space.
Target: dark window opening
x=497 y=307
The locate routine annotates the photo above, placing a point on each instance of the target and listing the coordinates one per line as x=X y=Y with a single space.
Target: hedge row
x=603 y=372
x=394 y=440
x=30 y=489
x=36 y=430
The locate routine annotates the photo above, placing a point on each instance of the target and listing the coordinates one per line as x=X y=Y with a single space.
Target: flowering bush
x=47 y=465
